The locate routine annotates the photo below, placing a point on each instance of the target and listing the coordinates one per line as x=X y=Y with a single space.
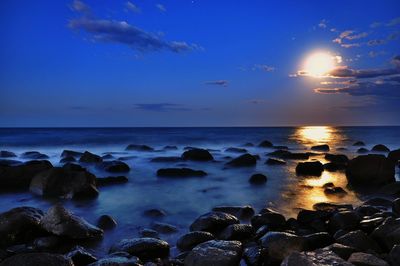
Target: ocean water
x=185 y=199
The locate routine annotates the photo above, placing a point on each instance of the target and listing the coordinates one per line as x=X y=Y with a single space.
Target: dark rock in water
x=243 y=161
x=265 y=144
x=48 y=243
x=388 y=233
x=358 y=143
x=318 y=257
x=318 y=240
x=179 y=172
x=61 y=222
x=336 y=191
x=88 y=157
x=362 y=150
x=236 y=150
x=154 y=213
x=9 y=162
x=170 y=148
x=19 y=225
x=272 y=161
x=146 y=232
x=274 y=220
x=80 y=256
x=394 y=255
x=215 y=252
x=342 y=149
x=323 y=147
x=314 y=168
x=369 y=225
x=144 y=248
x=70 y=153
x=106 y=222
x=283 y=154
x=366 y=210
x=7 y=154
x=164 y=228
x=360 y=258
x=370 y=170
x=281 y=147
x=65 y=183
x=358 y=240
x=281 y=244
x=332 y=207
x=346 y=220
x=126 y=158
x=396 y=206
x=34 y=155
x=20 y=176
x=117 y=260
x=37 y=259
x=111 y=180
x=341 y=250
x=258 y=179
x=391 y=189
x=394 y=155
x=169 y=159
x=68 y=159
x=381 y=148
x=115 y=167
x=213 y=222
x=136 y=147
x=242 y=212
x=197 y=155
x=337 y=158
x=107 y=157
x=333 y=167
x=238 y=232
x=192 y=239
x=248 y=144
x=378 y=202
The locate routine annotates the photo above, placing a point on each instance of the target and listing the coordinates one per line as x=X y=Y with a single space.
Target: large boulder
x=7 y=154
x=179 y=172
x=243 y=161
x=213 y=222
x=144 y=248
x=323 y=147
x=138 y=147
x=321 y=257
x=337 y=158
x=388 y=233
x=115 y=167
x=345 y=220
x=88 y=157
x=394 y=155
x=359 y=240
x=281 y=244
x=64 y=182
x=192 y=239
x=266 y=144
x=197 y=155
x=370 y=171
x=34 y=155
x=37 y=259
x=380 y=148
x=238 y=232
x=80 y=256
x=59 y=221
x=314 y=168
x=360 y=258
x=272 y=219
x=215 y=252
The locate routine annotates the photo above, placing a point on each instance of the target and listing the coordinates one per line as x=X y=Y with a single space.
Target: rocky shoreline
x=329 y=234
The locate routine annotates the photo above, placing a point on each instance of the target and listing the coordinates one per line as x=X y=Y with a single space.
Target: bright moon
x=319 y=64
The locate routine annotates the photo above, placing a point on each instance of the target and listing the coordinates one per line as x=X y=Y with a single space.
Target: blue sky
x=198 y=63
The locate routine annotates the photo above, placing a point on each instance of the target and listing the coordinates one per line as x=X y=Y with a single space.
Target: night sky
x=199 y=63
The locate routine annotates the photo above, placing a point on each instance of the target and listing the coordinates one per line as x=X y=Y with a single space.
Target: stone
x=359 y=240
x=88 y=157
x=368 y=225
x=365 y=259
x=164 y=228
x=378 y=202
x=236 y=150
x=70 y=153
x=106 y=222
x=394 y=255
x=380 y=148
x=37 y=259
x=170 y=148
x=258 y=179
x=154 y=213
x=388 y=233
x=115 y=167
x=213 y=222
x=317 y=240
x=396 y=206
x=273 y=161
x=111 y=180
x=80 y=256
x=337 y=158
x=192 y=239
x=34 y=155
x=7 y=154
x=320 y=257
x=244 y=160
x=69 y=159
x=197 y=155
x=242 y=212
x=238 y=232
x=180 y=172
x=279 y=245
x=146 y=232
x=144 y=248
x=394 y=155
x=272 y=219
x=358 y=143
x=117 y=260
x=253 y=256
x=323 y=147
x=336 y=191
x=136 y=147
x=265 y=144
x=314 y=168
x=362 y=150
x=47 y=243
x=341 y=250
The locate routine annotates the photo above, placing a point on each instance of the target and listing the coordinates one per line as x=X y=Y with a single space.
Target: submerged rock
x=197 y=155
x=358 y=143
x=314 y=168
x=144 y=248
x=272 y=161
x=337 y=158
x=136 y=147
x=70 y=153
x=115 y=167
x=179 y=172
x=88 y=157
x=266 y=144
x=192 y=239
x=80 y=256
x=106 y=222
x=380 y=148
x=170 y=148
x=7 y=154
x=243 y=161
x=213 y=222
x=164 y=228
x=34 y=155
x=36 y=259
x=323 y=147
x=236 y=150
x=154 y=213
x=362 y=150
x=258 y=179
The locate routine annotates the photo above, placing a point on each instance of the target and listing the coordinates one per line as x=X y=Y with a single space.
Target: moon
x=319 y=64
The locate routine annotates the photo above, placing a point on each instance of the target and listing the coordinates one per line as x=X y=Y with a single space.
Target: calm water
x=185 y=199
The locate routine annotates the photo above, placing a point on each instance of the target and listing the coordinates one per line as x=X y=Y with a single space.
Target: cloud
x=161 y=7
x=323 y=24
x=346 y=72
x=349 y=35
x=383 y=89
x=221 y=82
x=161 y=107
x=376 y=42
x=81 y=7
x=132 y=7
x=263 y=67
x=394 y=22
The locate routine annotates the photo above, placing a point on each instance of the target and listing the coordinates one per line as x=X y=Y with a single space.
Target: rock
x=265 y=144
x=370 y=170
x=358 y=240
x=69 y=159
x=242 y=212
x=170 y=159
x=213 y=222
x=61 y=222
x=358 y=143
x=64 y=182
x=253 y=256
x=88 y=157
x=236 y=150
x=37 y=259
x=318 y=240
x=170 y=148
x=378 y=202
x=394 y=255
x=154 y=213
x=19 y=225
x=243 y=161
x=179 y=172
x=192 y=239
x=396 y=206
x=333 y=167
x=320 y=257
x=80 y=256
x=366 y=210
x=365 y=259
x=115 y=167
x=280 y=244
x=258 y=179
x=394 y=155
x=146 y=232
x=164 y=228
x=215 y=252
x=369 y=225
x=111 y=180
x=331 y=207
x=70 y=153
x=144 y=248
x=273 y=161
x=388 y=233
x=341 y=250
x=248 y=144
x=362 y=150
x=391 y=189
x=345 y=220
x=284 y=154
x=107 y=157
x=280 y=147
x=337 y=158
x=197 y=155
x=314 y=168
x=106 y=222
x=117 y=260
x=336 y=191
x=323 y=147
x=9 y=162
x=34 y=155
x=136 y=147
x=20 y=176
x=238 y=232
x=7 y=154
x=381 y=148
x=272 y=219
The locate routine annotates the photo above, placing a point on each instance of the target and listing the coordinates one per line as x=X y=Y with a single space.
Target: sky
x=89 y=63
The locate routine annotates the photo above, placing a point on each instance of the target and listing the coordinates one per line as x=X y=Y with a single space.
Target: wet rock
x=111 y=180
x=332 y=207
x=107 y=157
x=170 y=148
x=336 y=191
x=169 y=159
x=362 y=150
x=333 y=167
x=284 y=154
x=117 y=260
x=378 y=202
x=80 y=256
x=272 y=219
x=380 y=148
x=68 y=159
x=88 y=157
x=146 y=232
x=215 y=252
x=337 y=158
x=115 y=167
x=136 y=147
x=34 y=155
x=36 y=259
x=258 y=179
x=70 y=153
x=391 y=189
x=394 y=255
x=197 y=155
x=372 y=171
x=144 y=248
x=368 y=225
x=9 y=162
x=358 y=240
x=272 y=161
x=242 y=212
x=106 y=222
x=7 y=154
x=366 y=210
x=318 y=240
x=281 y=147
x=236 y=150
x=154 y=213
x=394 y=155
x=358 y=143
x=192 y=239
x=281 y=244
x=345 y=220
x=309 y=217
x=179 y=172
x=318 y=257
x=323 y=147
x=61 y=222
x=388 y=233
x=164 y=228
x=314 y=168
x=20 y=176
x=19 y=225
x=265 y=144
x=213 y=222
x=248 y=144
x=243 y=161
x=253 y=256
x=341 y=250
x=64 y=182
x=396 y=206
x=365 y=259
x=238 y=232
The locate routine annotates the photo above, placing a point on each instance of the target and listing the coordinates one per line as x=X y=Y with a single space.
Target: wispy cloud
x=161 y=7
x=263 y=67
x=161 y=107
x=132 y=7
x=220 y=82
